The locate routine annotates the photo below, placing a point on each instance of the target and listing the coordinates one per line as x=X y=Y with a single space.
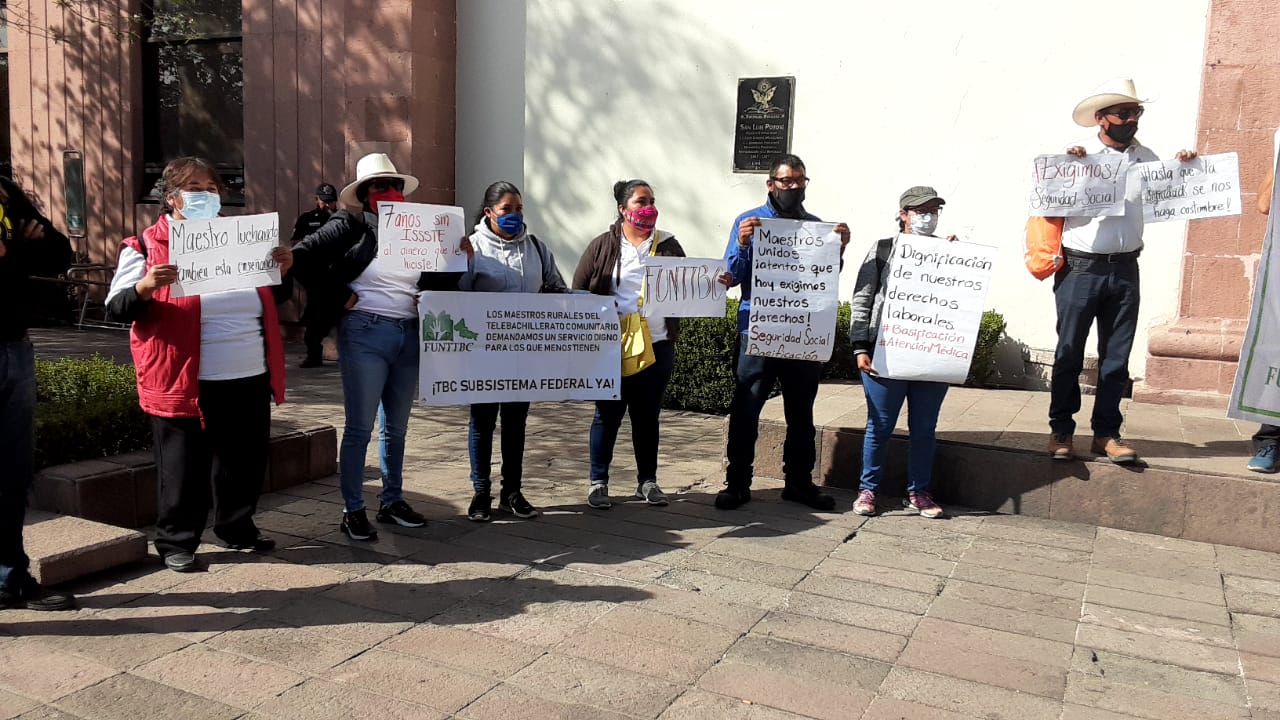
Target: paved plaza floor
x=770 y=612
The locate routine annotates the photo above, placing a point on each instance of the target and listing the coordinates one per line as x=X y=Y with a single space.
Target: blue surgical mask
x=511 y=223
x=201 y=205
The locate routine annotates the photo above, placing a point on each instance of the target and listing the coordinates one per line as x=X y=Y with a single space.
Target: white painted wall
x=957 y=95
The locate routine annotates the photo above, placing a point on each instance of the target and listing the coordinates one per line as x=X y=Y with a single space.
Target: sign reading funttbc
x=1068 y=186
x=1208 y=186
x=932 y=309
x=517 y=347
x=225 y=253
x=684 y=287
x=421 y=238
x=795 y=285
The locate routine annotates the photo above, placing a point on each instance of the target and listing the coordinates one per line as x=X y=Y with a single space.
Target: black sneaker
x=356 y=525
x=515 y=504
x=261 y=543
x=481 y=508
x=733 y=497
x=30 y=596
x=809 y=494
x=401 y=514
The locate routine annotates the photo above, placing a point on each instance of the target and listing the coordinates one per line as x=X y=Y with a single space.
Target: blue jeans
x=641 y=395
x=884 y=401
x=378 y=357
x=1084 y=290
x=17 y=450
x=484 y=418
x=756 y=377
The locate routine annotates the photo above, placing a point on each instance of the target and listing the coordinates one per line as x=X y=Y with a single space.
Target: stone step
x=63 y=548
x=1179 y=502
x=121 y=490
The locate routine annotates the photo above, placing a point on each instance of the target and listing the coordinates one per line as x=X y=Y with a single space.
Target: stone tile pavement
x=767 y=613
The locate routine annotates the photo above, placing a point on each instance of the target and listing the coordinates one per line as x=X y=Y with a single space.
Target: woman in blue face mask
x=208 y=368
x=507 y=258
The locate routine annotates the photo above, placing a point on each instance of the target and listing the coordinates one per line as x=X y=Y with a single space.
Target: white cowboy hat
x=1112 y=92
x=374 y=165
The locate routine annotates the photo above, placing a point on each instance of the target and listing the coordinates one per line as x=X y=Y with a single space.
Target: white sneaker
x=651 y=493
x=599 y=496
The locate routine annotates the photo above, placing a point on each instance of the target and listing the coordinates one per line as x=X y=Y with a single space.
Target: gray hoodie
x=521 y=264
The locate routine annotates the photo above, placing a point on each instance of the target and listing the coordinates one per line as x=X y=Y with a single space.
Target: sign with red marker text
x=932 y=309
x=421 y=238
x=225 y=253
x=1208 y=186
x=1068 y=186
x=518 y=347
x=684 y=287
x=795 y=285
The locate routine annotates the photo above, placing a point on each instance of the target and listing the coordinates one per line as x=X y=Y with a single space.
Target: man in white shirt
x=1099 y=280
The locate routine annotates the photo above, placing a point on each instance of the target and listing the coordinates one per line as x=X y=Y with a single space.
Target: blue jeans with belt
x=17 y=448
x=378 y=357
x=1085 y=290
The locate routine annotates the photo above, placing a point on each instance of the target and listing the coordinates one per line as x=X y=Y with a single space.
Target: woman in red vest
x=208 y=367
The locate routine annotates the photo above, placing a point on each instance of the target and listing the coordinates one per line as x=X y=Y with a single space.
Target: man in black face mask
x=756 y=376
x=1099 y=280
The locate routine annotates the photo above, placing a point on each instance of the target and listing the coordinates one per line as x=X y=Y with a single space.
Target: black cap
x=327 y=192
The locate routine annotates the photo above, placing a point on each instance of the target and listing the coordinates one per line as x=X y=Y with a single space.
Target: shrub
x=87 y=408
x=990 y=330
x=703 y=380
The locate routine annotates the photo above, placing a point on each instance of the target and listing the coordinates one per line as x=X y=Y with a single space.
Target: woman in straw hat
x=377 y=337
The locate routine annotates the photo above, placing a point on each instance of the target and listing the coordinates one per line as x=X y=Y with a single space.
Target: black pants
x=484 y=420
x=756 y=377
x=228 y=455
x=641 y=398
x=1267 y=435
x=319 y=316
x=17 y=444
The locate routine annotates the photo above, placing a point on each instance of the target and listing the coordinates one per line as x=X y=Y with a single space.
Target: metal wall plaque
x=762 y=127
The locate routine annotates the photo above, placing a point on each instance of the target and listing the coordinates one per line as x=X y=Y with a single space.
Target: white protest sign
x=1208 y=186
x=1068 y=186
x=684 y=287
x=515 y=347
x=225 y=253
x=932 y=309
x=1255 y=395
x=795 y=285
x=421 y=238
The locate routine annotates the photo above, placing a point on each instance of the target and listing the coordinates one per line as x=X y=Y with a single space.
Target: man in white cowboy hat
x=377 y=337
x=1099 y=281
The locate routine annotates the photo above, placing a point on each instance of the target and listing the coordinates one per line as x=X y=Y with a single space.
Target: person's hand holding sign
x=1186 y=155
x=157 y=277
x=284 y=258
x=843 y=231
x=864 y=363
x=725 y=279
x=466 y=247
x=746 y=229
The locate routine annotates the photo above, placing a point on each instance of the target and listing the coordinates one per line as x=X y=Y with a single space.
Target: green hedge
x=703 y=381
x=87 y=408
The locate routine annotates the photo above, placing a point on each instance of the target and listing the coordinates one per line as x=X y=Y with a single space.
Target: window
x=6 y=159
x=193 y=90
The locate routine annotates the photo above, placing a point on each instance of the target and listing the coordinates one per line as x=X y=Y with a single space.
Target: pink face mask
x=644 y=218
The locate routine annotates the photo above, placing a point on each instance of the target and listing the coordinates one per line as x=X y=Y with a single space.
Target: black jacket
x=50 y=256
x=327 y=260
x=309 y=222
x=599 y=261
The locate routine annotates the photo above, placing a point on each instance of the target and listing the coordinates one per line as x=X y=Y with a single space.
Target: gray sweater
x=868 y=297
x=521 y=264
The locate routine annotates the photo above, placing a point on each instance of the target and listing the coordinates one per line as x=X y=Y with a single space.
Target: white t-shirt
x=231 y=344
x=390 y=293
x=1120 y=233
x=629 y=281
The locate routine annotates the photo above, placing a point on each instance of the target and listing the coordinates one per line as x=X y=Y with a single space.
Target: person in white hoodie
x=507 y=259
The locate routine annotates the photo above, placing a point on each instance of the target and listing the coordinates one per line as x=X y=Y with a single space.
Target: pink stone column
x=1193 y=359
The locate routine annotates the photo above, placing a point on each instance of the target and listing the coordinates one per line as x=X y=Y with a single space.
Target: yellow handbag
x=637 y=343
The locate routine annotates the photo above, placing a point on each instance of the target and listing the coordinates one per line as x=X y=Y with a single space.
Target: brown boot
x=1116 y=450
x=1062 y=447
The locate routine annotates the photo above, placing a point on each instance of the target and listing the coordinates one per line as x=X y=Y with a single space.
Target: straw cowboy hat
x=371 y=166
x=1112 y=92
